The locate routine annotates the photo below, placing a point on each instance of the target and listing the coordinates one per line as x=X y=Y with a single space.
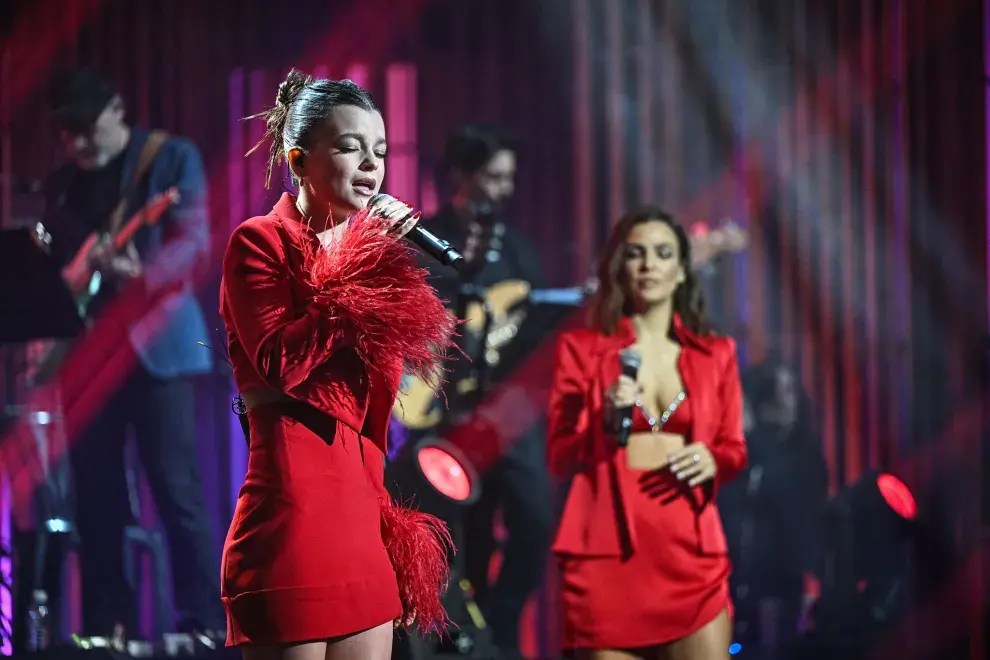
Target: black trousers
x=521 y=486
x=162 y=416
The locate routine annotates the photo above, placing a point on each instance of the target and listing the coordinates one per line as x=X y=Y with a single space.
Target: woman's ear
x=297 y=162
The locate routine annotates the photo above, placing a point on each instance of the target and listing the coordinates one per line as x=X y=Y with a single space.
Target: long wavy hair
x=611 y=302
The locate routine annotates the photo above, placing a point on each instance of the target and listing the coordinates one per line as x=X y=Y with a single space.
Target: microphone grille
x=631 y=358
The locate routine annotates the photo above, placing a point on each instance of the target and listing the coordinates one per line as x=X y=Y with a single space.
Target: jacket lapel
x=696 y=364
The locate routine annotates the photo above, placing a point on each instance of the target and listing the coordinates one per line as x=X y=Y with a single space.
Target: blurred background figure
x=773 y=514
x=116 y=180
x=479 y=170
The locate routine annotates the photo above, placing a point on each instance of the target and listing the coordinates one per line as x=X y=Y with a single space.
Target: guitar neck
x=570 y=296
x=126 y=233
x=149 y=215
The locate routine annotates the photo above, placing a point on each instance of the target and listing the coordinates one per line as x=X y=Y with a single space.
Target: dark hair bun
x=296 y=117
x=291 y=87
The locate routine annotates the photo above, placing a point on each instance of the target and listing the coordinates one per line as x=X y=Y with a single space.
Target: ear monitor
x=297 y=157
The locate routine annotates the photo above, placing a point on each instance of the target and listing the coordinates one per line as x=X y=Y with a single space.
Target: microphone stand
x=468 y=292
x=471 y=634
x=477 y=367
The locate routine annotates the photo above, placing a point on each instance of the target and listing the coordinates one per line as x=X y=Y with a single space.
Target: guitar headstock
x=154 y=209
x=171 y=196
x=706 y=243
x=41 y=237
x=147 y=216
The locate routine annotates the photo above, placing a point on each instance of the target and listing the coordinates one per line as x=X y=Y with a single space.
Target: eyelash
x=348 y=150
x=639 y=254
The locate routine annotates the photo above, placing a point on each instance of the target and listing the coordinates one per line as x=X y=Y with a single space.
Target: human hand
x=389 y=208
x=623 y=393
x=123 y=265
x=404 y=622
x=694 y=464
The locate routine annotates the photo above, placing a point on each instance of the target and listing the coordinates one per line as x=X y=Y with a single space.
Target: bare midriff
x=649 y=451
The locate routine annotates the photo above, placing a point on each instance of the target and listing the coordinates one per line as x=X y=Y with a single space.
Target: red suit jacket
x=595 y=521
x=291 y=346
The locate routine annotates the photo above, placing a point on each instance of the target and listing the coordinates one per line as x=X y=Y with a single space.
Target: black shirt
x=93 y=194
x=518 y=260
x=88 y=201
x=84 y=205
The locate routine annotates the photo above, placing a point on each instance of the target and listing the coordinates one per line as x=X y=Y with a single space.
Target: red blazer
x=595 y=521
x=277 y=342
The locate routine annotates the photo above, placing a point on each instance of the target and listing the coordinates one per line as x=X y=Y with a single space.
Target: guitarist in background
x=480 y=168
x=114 y=170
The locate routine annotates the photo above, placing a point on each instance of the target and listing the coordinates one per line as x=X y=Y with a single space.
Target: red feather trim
x=418 y=545
x=369 y=280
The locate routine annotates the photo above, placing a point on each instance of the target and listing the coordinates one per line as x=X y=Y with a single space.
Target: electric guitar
x=81 y=275
x=85 y=280
x=502 y=306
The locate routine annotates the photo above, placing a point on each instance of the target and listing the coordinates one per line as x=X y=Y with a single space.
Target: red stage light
x=445 y=473
x=897 y=496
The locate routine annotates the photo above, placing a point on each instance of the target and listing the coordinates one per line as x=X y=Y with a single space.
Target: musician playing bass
x=480 y=168
x=114 y=171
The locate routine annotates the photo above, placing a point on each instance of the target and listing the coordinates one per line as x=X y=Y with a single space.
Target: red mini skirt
x=304 y=557
x=663 y=591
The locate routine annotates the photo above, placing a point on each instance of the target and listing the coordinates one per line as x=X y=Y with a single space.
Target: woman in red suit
x=323 y=306
x=640 y=544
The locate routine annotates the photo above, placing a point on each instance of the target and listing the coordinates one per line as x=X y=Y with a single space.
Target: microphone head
x=630 y=358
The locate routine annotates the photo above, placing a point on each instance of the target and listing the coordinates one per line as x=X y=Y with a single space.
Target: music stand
x=35 y=301
x=37 y=305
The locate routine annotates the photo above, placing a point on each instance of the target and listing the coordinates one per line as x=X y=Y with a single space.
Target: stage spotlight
x=436 y=476
x=445 y=473
x=870 y=522
x=867 y=582
x=897 y=496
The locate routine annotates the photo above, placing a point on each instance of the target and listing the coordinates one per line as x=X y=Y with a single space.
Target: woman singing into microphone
x=324 y=307
x=640 y=545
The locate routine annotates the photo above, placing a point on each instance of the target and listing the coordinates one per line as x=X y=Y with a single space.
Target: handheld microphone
x=630 y=361
x=426 y=241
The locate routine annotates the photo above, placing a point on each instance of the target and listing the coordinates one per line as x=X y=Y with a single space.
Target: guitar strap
x=147 y=156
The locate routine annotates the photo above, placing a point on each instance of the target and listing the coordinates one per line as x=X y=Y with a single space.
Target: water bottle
x=39 y=622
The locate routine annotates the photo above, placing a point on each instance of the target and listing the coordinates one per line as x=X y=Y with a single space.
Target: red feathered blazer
x=278 y=342
x=595 y=521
